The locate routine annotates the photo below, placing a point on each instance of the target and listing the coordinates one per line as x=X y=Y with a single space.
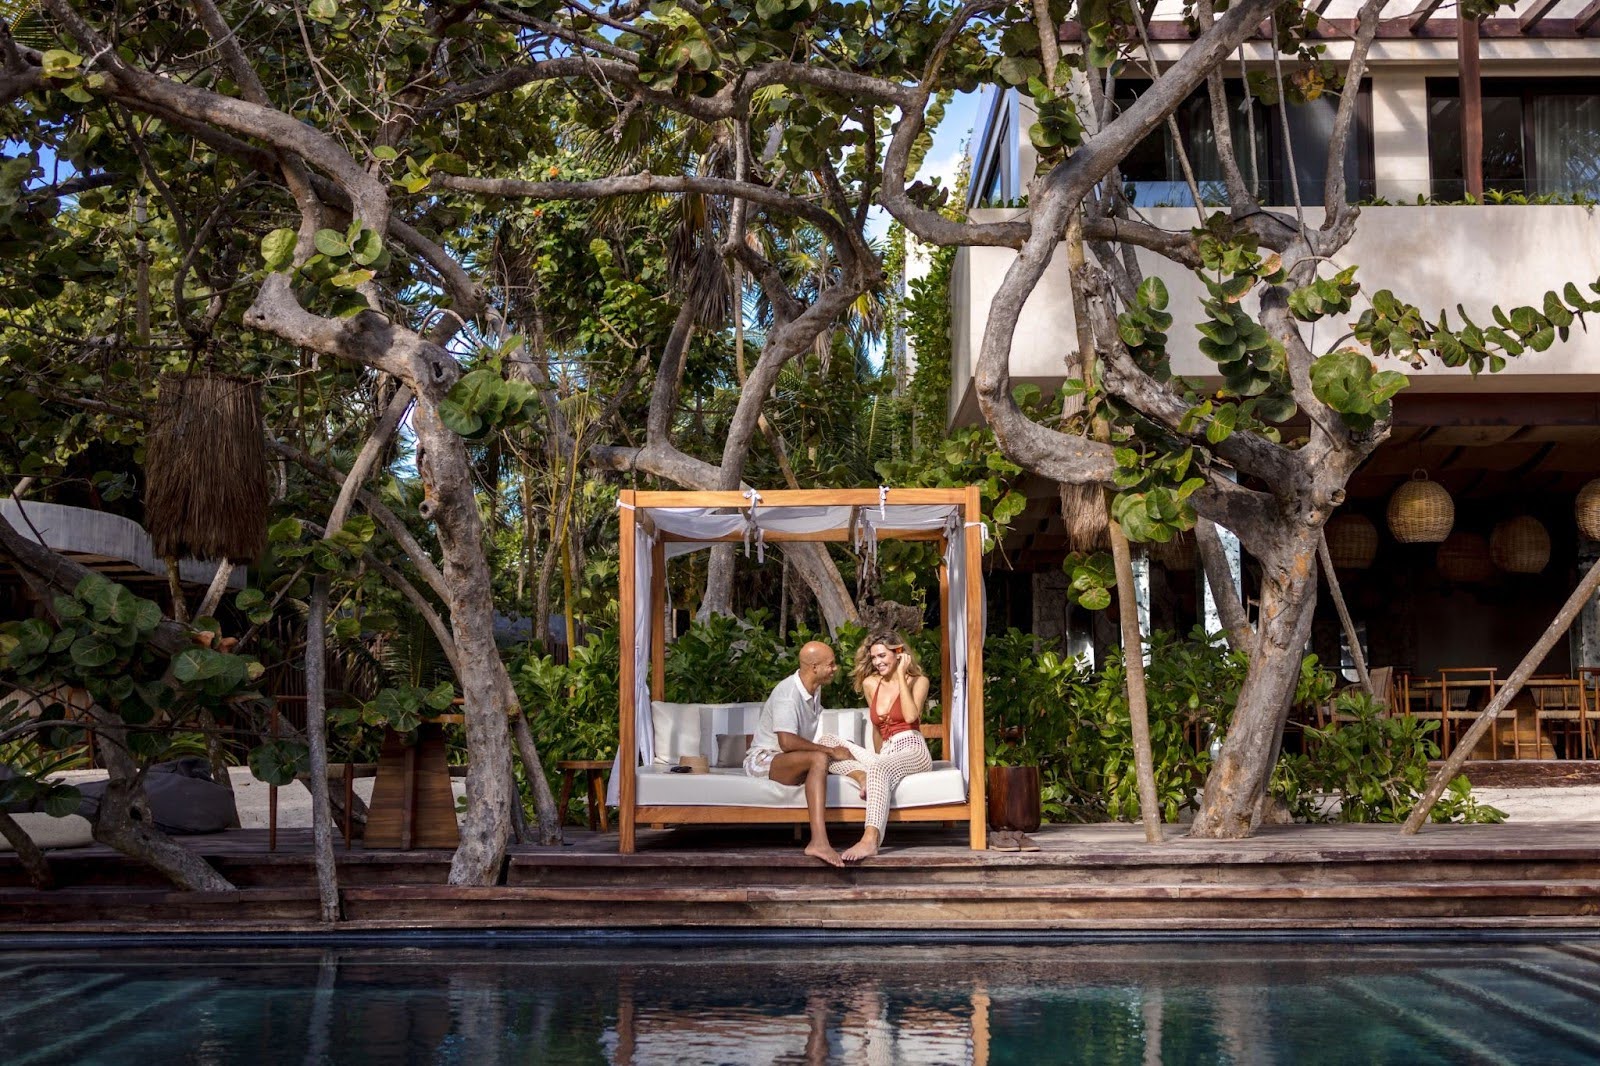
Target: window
x=1154 y=173
x=993 y=189
x=1540 y=137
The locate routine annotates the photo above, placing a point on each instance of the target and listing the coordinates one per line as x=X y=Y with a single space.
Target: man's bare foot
x=865 y=848
x=822 y=850
x=860 y=778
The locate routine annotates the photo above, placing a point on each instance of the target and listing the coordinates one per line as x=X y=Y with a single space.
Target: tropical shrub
x=1376 y=767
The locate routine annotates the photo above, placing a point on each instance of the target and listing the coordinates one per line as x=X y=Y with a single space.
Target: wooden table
x=596 y=769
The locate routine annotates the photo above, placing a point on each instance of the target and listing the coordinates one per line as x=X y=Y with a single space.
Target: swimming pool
x=821 y=999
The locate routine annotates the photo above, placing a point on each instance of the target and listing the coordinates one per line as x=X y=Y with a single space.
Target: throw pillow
x=731 y=749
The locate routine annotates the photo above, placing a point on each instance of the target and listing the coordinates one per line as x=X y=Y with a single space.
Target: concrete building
x=1521 y=442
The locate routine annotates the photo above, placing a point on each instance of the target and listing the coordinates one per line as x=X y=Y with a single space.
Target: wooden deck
x=1100 y=877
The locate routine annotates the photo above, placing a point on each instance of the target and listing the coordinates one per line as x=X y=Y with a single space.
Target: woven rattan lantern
x=1587 y=510
x=1177 y=554
x=1464 y=558
x=1352 y=541
x=1421 y=511
x=1520 y=545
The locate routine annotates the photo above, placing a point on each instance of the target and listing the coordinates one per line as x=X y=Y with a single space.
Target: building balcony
x=1433 y=257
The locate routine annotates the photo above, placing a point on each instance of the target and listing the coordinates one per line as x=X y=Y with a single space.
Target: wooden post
x=972 y=515
x=1471 y=81
x=658 y=620
x=272 y=792
x=945 y=691
x=627 y=742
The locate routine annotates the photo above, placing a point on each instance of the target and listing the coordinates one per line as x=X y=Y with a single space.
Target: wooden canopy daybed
x=659 y=525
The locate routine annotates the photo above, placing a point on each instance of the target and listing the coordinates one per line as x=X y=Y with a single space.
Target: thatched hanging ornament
x=1352 y=541
x=1520 y=545
x=1176 y=555
x=1421 y=511
x=206 y=469
x=1587 y=510
x=1464 y=559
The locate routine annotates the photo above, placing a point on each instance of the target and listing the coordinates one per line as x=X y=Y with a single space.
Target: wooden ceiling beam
x=1535 y=14
x=1398 y=28
x=1586 y=18
x=1419 y=18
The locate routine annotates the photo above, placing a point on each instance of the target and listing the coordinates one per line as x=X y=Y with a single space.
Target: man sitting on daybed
x=784 y=747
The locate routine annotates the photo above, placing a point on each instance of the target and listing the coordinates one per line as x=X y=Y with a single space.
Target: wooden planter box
x=1014 y=798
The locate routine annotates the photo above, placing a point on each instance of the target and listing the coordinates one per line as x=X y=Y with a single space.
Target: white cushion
x=724 y=719
x=677 y=730
x=71 y=831
x=693 y=728
x=846 y=723
x=734 y=788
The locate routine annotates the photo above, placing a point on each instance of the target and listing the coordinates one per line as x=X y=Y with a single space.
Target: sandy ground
x=294 y=801
x=1580 y=803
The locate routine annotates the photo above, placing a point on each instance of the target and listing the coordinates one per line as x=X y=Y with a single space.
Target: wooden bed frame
x=634 y=510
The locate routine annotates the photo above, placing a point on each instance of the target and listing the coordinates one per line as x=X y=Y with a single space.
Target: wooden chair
x=1559 y=711
x=1455 y=695
x=1589 y=711
x=1421 y=698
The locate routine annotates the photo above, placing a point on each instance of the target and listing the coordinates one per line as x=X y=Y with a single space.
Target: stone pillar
x=1400 y=136
x=1585 y=635
x=1230 y=548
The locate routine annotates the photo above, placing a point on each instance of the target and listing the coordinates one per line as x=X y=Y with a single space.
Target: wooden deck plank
x=1084 y=877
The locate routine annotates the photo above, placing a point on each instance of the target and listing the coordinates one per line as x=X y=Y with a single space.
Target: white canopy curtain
x=662 y=529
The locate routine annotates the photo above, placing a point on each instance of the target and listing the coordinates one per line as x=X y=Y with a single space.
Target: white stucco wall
x=1434 y=257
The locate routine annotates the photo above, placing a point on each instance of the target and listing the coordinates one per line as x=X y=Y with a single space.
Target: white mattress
x=733 y=788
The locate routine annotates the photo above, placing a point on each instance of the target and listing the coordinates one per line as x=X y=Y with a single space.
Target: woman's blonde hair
x=891 y=640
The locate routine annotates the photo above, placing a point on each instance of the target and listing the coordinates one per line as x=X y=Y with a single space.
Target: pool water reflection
x=810 y=1002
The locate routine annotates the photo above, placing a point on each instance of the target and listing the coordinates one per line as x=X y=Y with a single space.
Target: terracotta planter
x=1014 y=798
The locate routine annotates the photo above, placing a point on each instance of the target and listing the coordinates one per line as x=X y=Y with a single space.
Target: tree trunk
x=123 y=821
x=450 y=504
x=1138 y=701
x=1240 y=779
x=719 y=583
x=317 y=743
x=216 y=590
x=29 y=854
x=1357 y=656
x=1219 y=576
x=544 y=803
x=1127 y=600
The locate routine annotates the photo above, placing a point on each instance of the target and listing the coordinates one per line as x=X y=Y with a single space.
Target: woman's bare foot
x=865 y=848
x=860 y=778
x=822 y=850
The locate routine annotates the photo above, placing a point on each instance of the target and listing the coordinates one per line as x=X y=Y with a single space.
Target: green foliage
x=402 y=708
x=1153 y=490
x=103 y=644
x=1347 y=382
x=481 y=400
x=1392 y=327
x=1073 y=723
x=1376 y=766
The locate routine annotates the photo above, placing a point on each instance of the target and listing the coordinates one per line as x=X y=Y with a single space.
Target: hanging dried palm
x=1177 y=554
x=206 y=469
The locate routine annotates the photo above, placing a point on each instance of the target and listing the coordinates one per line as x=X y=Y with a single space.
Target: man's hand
x=840 y=753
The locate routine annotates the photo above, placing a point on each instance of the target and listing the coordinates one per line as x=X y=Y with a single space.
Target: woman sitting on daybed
x=887 y=674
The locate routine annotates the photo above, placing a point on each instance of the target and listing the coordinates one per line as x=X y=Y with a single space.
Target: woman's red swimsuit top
x=894 y=722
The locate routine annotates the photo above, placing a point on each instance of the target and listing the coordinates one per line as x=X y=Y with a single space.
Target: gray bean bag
x=184 y=800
